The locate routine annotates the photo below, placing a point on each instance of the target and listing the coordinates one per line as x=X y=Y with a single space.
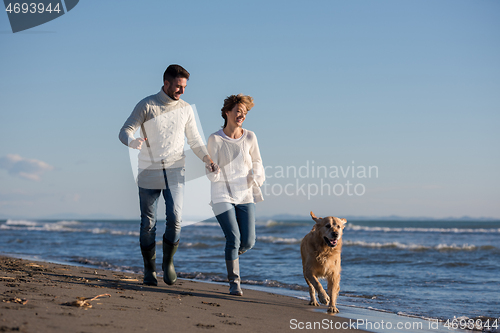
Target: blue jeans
x=238 y=224
x=173 y=194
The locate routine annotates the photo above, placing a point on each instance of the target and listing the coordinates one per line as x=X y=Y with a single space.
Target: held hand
x=214 y=168
x=137 y=143
x=210 y=165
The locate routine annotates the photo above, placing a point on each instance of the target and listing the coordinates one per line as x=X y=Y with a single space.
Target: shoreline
x=39 y=296
x=289 y=307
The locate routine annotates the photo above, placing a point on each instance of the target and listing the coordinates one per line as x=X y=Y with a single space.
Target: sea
x=446 y=271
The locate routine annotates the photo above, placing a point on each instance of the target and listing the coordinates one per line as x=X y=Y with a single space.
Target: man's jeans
x=154 y=182
x=238 y=224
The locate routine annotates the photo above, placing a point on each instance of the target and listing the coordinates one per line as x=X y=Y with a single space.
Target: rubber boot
x=149 y=256
x=233 y=275
x=169 y=249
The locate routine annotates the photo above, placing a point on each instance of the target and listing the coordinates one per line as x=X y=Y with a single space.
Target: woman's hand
x=210 y=165
x=137 y=143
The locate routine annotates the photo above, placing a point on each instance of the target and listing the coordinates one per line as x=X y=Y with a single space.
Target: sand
x=48 y=297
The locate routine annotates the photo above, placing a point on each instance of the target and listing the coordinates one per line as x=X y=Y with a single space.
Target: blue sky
x=409 y=88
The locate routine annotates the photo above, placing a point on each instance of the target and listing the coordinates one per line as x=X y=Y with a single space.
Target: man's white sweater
x=165 y=122
x=242 y=173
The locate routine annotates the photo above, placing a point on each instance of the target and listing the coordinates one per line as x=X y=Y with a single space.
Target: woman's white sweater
x=241 y=172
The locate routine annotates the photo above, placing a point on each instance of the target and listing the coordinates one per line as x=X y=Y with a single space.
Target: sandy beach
x=47 y=297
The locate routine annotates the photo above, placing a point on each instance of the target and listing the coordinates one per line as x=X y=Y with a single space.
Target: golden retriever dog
x=320 y=250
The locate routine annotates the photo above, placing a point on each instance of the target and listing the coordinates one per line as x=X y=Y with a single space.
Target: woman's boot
x=233 y=275
x=149 y=256
x=169 y=249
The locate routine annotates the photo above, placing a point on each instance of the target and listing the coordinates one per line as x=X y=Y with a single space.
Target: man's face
x=175 y=89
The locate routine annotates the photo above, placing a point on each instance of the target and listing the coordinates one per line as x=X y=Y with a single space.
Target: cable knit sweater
x=241 y=168
x=165 y=121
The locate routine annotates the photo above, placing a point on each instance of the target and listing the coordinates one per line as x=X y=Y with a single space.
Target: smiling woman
x=236 y=185
x=236 y=108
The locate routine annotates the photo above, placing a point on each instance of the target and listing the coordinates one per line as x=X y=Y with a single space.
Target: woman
x=236 y=184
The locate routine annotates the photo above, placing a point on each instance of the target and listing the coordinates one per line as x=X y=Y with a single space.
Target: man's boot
x=169 y=249
x=149 y=256
x=233 y=275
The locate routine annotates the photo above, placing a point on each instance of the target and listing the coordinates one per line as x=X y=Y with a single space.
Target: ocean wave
x=21 y=223
x=204 y=224
x=203 y=276
x=199 y=245
x=125 y=233
x=273 y=223
x=420 y=247
x=276 y=284
x=215 y=277
x=113 y=232
x=278 y=240
x=61 y=226
x=354 y=227
x=29 y=223
x=394 y=245
x=39 y=225
x=110 y=231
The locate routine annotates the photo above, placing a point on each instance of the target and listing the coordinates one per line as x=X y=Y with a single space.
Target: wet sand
x=47 y=297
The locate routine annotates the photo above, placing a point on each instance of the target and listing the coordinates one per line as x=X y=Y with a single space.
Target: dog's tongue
x=331 y=242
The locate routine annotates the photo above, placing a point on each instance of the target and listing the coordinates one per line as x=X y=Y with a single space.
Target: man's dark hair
x=174 y=71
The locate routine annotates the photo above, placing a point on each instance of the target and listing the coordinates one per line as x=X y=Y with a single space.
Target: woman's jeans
x=154 y=182
x=238 y=224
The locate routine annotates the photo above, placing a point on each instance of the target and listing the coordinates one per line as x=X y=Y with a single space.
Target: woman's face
x=237 y=115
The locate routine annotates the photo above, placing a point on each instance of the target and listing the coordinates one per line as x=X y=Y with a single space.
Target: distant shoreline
x=284 y=217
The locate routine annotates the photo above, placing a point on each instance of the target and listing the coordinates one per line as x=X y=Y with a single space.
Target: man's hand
x=210 y=165
x=137 y=143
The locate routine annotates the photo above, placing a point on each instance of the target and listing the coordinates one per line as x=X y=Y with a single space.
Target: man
x=164 y=119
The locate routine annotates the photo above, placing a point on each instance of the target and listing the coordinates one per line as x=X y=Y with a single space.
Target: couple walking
x=233 y=166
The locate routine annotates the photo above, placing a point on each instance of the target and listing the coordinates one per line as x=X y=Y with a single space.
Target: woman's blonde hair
x=232 y=100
